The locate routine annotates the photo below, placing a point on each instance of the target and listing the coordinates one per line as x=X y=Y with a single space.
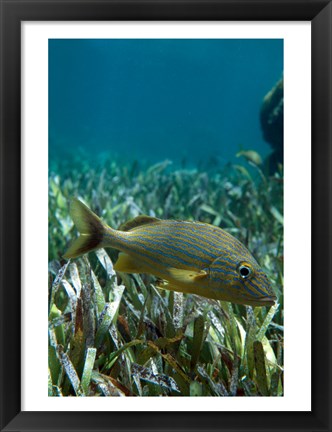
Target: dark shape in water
x=272 y=123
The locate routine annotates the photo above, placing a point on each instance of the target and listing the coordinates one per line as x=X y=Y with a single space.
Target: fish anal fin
x=127 y=264
x=137 y=222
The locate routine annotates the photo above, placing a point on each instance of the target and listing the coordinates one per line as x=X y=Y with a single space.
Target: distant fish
x=190 y=257
x=250 y=156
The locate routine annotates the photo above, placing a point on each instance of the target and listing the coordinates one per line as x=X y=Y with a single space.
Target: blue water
x=191 y=100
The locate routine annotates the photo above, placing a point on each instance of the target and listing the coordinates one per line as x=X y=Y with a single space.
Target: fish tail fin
x=91 y=228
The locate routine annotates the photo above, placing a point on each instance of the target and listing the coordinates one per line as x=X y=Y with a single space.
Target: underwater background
x=183 y=100
x=178 y=129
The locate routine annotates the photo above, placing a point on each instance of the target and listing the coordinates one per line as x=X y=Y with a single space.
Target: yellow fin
x=187 y=276
x=138 y=221
x=127 y=264
x=90 y=227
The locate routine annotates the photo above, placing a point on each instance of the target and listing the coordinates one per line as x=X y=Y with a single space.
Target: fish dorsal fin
x=137 y=222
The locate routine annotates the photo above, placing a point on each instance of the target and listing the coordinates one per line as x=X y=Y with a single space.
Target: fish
x=251 y=156
x=184 y=256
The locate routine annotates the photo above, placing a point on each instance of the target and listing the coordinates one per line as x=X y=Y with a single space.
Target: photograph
x=165 y=217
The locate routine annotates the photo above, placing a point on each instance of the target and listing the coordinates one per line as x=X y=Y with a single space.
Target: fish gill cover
x=169 y=129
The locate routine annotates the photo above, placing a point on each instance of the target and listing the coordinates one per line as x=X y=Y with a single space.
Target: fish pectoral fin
x=126 y=264
x=187 y=276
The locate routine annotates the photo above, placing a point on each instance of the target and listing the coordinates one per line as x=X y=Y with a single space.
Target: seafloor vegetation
x=117 y=334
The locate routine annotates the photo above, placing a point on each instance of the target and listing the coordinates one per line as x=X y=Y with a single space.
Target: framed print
x=165 y=215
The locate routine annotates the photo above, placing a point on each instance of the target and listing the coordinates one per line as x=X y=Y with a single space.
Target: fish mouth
x=267 y=301
x=260 y=301
x=257 y=301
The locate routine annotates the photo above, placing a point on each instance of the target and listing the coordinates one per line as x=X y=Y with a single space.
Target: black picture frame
x=13 y=12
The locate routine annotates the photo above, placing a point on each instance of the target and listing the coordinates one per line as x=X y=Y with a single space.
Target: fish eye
x=244 y=271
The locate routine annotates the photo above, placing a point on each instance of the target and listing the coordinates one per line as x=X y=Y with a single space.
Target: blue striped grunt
x=190 y=257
